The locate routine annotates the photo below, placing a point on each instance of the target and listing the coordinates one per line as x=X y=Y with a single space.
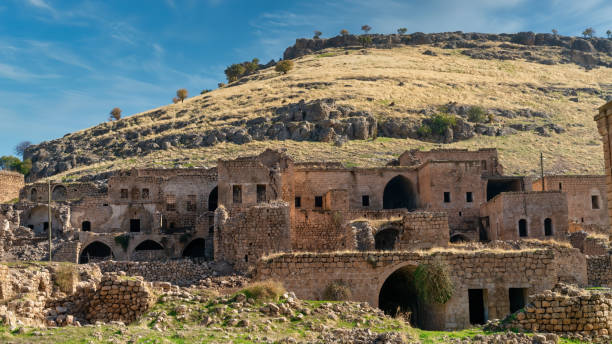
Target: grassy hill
x=404 y=84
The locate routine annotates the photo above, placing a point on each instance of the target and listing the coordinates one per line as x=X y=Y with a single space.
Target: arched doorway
x=385 y=239
x=399 y=194
x=59 y=193
x=398 y=294
x=148 y=250
x=458 y=238
x=149 y=245
x=213 y=199
x=95 y=251
x=195 y=249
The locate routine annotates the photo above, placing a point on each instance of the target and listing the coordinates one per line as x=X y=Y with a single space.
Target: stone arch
x=213 y=199
x=399 y=193
x=386 y=239
x=33 y=195
x=455 y=238
x=95 y=250
x=59 y=193
x=195 y=249
x=149 y=245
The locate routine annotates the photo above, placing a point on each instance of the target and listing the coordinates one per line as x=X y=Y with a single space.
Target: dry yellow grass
x=371 y=82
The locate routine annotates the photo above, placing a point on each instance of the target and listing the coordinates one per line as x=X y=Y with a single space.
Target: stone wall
x=242 y=236
x=308 y=274
x=603 y=126
x=10 y=185
x=599 y=271
x=179 y=272
x=67 y=252
x=119 y=298
x=566 y=309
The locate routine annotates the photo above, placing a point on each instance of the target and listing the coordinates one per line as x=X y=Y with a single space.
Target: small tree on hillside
x=589 y=32
x=181 y=94
x=366 y=29
x=402 y=30
x=609 y=34
x=251 y=67
x=555 y=32
x=115 y=114
x=175 y=100
x=317 y=34
x=21 y=147
x=284 y=66
x=344 y=32
x=233 y=72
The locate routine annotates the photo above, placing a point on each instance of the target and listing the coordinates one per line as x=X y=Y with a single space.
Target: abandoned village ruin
x=310 y=224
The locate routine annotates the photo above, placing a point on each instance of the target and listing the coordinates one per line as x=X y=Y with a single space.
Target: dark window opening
x=298 y=202
x=385 y=239
x=560 y=186
x=582 y=219
x=497 y=186
x=172 y=225
x=246 y=258
x=135 y=225
x=212 y=200
x=124 y=193
x=398 y=294
x=548 y=227
x=86 y=226
x=261 y=193
x=522 y=228
x=45 y=225
x=237 y=194
x=469 y=197
x=211 y=230
x=31 y=227
x=399 y=194
x=595 y=202
x=365 y=200
x=318 y=201
x=477 y=305
x=145 y=193
x=517 y=298
x=195 y=249
x=447 y=198
x=170 y=203
x=460 y=214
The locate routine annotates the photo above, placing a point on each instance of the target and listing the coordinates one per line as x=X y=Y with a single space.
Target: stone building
x=603 y=125
x=10 y=185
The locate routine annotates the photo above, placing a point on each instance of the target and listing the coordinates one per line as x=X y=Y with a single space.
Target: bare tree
x=115 y=114
x=589 y=32
x=317 y=34
x=21 y=147
x=555 y=32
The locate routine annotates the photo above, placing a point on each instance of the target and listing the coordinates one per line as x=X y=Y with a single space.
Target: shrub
x=588 y=32
x=115 y=114
x=284 y=66
x=66 y=277
x=317 y=34
x=365 y=41
x=440 y=122
x=609 y=34
x=264 y=290
x=490 y=117
x=221 y=85
x=402 y=30
x=477 y=114
x=424 y=130
x=123 y=240
x=366 y=28
x=233 y=72
x=175 y=100
x=344 y=32
x=12 y=163
x=251 y=67
x=205 y=91
x=337 y=291
x=181 y=94
x=433 y=282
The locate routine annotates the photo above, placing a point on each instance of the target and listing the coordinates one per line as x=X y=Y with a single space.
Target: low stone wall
x=180 y=272
x=119 y=298
x=599 y=271
x=566 y=309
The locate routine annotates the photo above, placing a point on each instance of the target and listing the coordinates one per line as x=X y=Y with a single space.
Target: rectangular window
x=595 y=202
x=318 y=201
x=191 y=203
x=517 y=298
x=45 y=225
x=560 y=186
x=135 y=225
x=261 y=193
x=365 y=200
x=468 y=197
x=145 y=193
x=477 y=300
x=171 y=203
x=298 y=202
x=124 y=193
x=237 y=194
x=447 y=197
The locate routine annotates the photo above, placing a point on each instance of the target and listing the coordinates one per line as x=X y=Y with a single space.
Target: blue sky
x=64 y=64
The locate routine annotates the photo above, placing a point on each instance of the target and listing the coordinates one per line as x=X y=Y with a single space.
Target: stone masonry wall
x=178 y=272
x=599 y=271
x=566 y=309
x=603 y=126
x=10 y=185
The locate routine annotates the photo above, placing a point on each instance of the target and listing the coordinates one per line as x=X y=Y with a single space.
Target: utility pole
x=49 y=214
x=542 y=171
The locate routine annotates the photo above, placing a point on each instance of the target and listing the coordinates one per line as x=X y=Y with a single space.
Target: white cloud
x=41 y=4
x=19 y=74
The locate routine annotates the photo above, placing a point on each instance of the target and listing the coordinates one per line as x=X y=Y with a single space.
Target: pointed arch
x=95 y=251
x=399 y=193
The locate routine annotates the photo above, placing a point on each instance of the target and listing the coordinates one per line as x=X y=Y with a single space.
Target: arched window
x=86 y=226
x=522 y=227
x=548 y=227
x=59 y=193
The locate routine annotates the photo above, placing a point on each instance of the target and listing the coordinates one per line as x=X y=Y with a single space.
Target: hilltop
x=363 y=107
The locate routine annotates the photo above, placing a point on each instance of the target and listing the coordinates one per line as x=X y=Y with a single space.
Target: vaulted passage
x=497 y=186
x=195 y=249
x=385 y=239
x=149 y=245
x=399 y=295
x=399 y=193
x=95 y=251
x=213 y=199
